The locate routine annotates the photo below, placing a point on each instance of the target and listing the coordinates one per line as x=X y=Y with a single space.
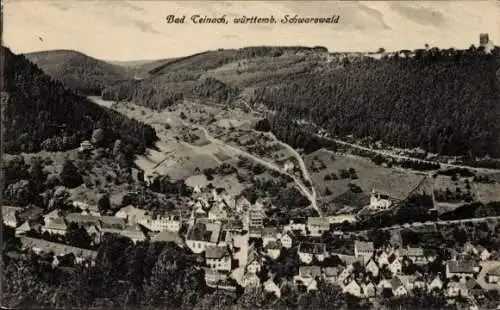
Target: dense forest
x=42 y=114
x=443 y=104
x=442 y=100
x=79 y=72
x=155 y=275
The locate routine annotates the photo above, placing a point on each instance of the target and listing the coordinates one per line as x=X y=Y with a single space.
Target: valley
x=261 y=169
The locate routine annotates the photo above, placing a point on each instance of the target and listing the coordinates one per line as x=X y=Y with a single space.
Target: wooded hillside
x=42 y=114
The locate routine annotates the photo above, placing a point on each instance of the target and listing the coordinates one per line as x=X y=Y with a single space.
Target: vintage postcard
x=250 y=154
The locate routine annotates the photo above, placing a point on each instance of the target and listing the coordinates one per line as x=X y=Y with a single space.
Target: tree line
x=443 y=103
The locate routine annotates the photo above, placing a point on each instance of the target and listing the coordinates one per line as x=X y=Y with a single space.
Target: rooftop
x=413 y=252
x=460 y=266
x=273 y=245
x=317 y=221
x=495 y=271
x=205 y=231
x=130 y=210
x=269 y=232
x=363 y=245
x=57 y=223
x=112 y=221
x=216 y=252
x=168 y=236
x=310 y=271
x=82 y=218
x=312 y=248
x=9 y=212
x=396 y=282
x=57 y=248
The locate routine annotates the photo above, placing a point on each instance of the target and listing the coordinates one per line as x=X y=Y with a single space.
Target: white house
x=167 y=222
x=455 y=289
x=383 y=259
x=273 y=249
x=250 y=280
x=307 y=276
x=416 y=255
x=9 y=215
x=288 y=166
x=379 y=201
x=484 y=254
x=132 y=214
x=307 y=251
x=254 y=261
x=353 y=288
x=372 y=268
x=23 y=228
x=363 y=249
x=436 y=283
x=395 y=265
x=398 y=288
x=369 y=290
x=218 y=258
x=203 y=234
x=217 y=212
x=461 y=269
x=317 y=225
x=295 y=226
x=286 y=240
x=85 y=146
x=56 y=226
x=54 y=214
x=271 y=287
x=330 y=274
x=493 y=275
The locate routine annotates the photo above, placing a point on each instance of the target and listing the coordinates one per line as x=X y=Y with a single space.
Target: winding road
x=311 y=196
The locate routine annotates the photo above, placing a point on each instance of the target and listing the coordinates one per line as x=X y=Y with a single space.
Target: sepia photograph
x=241 y=155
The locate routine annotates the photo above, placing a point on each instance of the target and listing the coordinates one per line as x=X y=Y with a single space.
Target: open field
x=335 y=193
x=487 y=192
x=442 y=182
x=395 y=183
x=184 y=151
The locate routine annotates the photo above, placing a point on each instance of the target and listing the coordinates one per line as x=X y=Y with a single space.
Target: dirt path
x=303 y=168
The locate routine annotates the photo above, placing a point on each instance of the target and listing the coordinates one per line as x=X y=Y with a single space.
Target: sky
x=137 y=30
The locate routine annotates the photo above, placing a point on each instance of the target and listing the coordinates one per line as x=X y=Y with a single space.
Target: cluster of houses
x=235 y=247
x=131 y=222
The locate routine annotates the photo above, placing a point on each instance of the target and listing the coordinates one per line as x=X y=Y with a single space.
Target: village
x=238 y=247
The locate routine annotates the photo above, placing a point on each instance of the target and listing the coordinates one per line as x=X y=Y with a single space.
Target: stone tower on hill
x=485 y=42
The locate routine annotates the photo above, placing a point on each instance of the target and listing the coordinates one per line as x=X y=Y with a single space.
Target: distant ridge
x=77 y=71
